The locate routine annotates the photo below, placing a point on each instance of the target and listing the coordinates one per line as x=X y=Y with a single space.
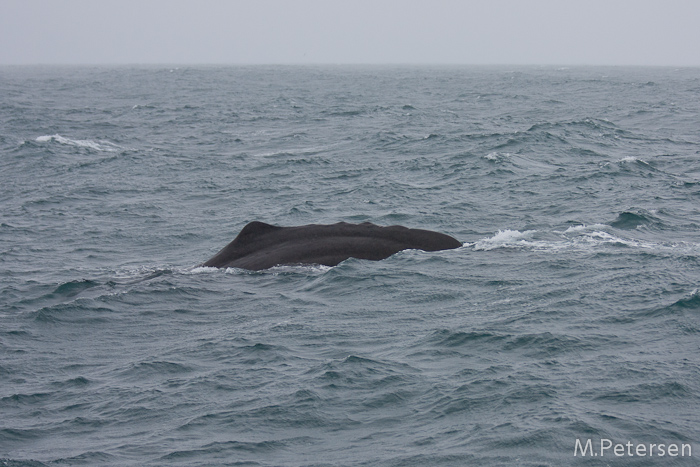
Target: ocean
x=565 y=330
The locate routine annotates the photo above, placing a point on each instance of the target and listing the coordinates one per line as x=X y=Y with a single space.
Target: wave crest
x=504 y=239
x=102 y=146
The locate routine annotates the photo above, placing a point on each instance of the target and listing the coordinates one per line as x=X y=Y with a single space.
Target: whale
x=261 y=246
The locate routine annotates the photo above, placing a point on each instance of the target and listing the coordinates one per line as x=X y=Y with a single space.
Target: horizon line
x=349 y=64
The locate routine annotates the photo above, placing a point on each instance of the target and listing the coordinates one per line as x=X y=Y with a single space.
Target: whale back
x=261 y=246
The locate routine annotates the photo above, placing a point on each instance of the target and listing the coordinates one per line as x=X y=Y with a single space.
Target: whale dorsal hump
x=253 y=230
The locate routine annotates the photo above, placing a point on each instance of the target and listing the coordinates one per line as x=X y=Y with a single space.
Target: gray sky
x=550 y=32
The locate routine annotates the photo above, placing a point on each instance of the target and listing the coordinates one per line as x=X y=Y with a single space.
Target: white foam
x=600 y=236
x=578 y=237
x=596 y=234
x=105 y=146
x=281 y=269
x=301 y=268
x=504 y=239
x=498 y=156
x=200 y=270
x=631 y=159
x=583 y=227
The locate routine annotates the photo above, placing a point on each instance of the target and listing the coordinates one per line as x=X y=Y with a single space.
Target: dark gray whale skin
x=261 y=246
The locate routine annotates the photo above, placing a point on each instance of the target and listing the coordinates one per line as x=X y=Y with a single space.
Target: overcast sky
x=548 y=32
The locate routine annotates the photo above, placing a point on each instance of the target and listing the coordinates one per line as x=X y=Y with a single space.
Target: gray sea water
x=571 y=313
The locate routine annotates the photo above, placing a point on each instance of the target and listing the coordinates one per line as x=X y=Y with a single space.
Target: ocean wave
x=628 y=160
x=583 y=227
x=506 y=239
x=201 y=270
x=542 y=343
x=156 y=368
x=629 y=220
x=599 y=235
x=691 y=301
x=20 y=463
x=73 y=313
x=498 y=157
x=579 y=237
x=102 y=146
x=578 y=318
x=647 y=392
x=229 y=449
